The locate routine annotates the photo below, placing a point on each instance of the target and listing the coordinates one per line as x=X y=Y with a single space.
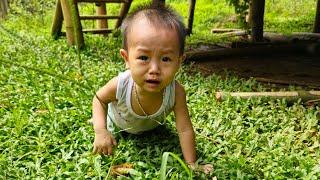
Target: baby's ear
x=124 y=55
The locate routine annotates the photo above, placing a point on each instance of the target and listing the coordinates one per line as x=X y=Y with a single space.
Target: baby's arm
x=185 y=131
x=184 y=126
x=103 y=141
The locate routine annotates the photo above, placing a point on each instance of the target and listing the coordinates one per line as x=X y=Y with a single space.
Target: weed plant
x=45 y=102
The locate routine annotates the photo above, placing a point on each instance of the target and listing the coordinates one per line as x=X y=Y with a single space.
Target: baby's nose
x=154 y=67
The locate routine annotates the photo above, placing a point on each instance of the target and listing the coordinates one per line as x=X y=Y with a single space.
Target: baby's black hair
x=160 y=16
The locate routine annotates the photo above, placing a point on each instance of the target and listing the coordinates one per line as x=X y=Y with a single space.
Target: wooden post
x=316 y=28
x=158 y=2
x=77 y=28
x=101 y=10
x=3 y=8
x=68 y=21
x=57 y=21
x=257 y=20
x=124 y=10
x=191 y=15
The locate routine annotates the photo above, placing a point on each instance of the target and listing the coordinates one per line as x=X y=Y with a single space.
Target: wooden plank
x=103 y=1
x=97 y=31
x=91 y=17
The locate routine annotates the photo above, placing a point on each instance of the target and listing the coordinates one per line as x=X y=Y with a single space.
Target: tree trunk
x=316 y=28
x=257 y=20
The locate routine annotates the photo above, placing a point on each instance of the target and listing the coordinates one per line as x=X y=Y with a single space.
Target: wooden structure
x=257 y=18
x=67 y=10
x=3 y=8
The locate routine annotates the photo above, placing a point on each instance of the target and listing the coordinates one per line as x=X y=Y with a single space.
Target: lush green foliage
x=45 y=102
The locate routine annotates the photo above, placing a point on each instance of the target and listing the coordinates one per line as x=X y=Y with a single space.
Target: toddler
x=140 y=98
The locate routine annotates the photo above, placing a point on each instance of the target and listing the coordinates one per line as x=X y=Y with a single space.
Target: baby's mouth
x=152 y=81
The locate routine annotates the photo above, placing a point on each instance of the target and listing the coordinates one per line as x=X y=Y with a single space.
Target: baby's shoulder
x=179 y=89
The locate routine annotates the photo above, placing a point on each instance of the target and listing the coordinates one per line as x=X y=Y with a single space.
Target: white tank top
x=122 y=114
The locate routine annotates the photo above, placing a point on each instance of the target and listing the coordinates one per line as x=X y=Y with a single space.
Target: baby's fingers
x=114 y=142
x=96 y=150
x=207 y=169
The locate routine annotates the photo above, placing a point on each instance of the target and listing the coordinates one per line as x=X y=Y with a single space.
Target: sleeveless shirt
x=121 y=114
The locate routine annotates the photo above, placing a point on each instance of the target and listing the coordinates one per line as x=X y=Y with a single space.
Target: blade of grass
x=164 y=162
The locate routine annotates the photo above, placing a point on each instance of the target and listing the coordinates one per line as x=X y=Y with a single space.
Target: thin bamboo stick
x=289 y=95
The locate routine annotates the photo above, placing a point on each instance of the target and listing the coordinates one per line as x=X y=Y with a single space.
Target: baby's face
x=153 y=55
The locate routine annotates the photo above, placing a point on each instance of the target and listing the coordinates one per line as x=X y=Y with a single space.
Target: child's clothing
x=121 y=114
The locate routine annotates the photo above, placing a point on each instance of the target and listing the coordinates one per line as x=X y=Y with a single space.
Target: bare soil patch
x=280 y=69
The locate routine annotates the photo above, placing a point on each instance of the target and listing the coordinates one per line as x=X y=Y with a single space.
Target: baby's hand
x=207 y=168
x=103 y=142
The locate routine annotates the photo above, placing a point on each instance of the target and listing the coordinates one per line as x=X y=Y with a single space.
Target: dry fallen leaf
x=121 y=169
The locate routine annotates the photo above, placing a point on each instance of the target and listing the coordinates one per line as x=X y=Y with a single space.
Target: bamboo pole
x=291 y=96
x=68 y=21
x=77 y=28
x=57 y=21
x=257 y=20
x=3 y=8
x=101 y=10
x=316 y=28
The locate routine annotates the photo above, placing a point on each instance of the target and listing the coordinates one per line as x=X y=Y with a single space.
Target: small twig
x=113 y=159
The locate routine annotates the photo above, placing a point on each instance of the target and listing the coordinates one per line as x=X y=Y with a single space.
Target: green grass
x=45 y=102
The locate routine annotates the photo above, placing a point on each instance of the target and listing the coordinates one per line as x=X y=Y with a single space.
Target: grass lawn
x=46 y=93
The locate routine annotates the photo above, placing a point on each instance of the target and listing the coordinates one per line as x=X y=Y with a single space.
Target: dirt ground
x=280 y=70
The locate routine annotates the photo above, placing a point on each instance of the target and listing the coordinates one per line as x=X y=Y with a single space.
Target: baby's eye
x=143 y=58
x=166 y=59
